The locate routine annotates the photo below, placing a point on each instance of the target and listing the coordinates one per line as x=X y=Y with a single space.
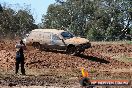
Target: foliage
x=95 y=19
x=15 y=23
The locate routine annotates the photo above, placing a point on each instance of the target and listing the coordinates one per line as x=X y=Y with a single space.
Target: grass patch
x=129 y=42
x=111 y=42
x=129 y=59
x=124 y=59
x=93 y=71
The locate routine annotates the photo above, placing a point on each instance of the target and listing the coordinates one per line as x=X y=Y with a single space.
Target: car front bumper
x=84 y=46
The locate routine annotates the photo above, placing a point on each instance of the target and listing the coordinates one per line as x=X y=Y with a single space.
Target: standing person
x=20 y=57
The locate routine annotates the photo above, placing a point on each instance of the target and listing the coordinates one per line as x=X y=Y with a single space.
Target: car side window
x=55 y=37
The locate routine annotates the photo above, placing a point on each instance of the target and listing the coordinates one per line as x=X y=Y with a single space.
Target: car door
x=58 y=43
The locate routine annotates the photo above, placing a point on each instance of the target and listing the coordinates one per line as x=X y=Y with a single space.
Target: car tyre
x=71 y=50
x=37 y=45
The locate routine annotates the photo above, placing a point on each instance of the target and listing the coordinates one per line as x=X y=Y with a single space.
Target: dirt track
x=98 y=60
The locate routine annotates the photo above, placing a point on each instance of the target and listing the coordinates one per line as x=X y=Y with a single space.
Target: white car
x=54 y=39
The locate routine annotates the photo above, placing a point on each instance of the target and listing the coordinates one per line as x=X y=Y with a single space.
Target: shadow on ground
x=54 y=51
x=92 y=58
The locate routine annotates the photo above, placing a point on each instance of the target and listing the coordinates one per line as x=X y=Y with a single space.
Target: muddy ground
x=56 y=69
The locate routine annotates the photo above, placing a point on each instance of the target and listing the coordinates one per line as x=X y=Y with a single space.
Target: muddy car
x=53 y=39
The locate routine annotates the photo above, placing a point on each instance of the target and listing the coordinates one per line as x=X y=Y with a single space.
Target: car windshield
x=67 y=35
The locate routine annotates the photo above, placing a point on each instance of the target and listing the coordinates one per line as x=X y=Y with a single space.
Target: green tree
x=24 y=21
x=56 y=17
x=95 y=19
x=7 y=22
x=15 y=23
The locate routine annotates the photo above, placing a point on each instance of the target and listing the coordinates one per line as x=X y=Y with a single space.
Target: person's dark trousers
x=17 y=65
x=22 y=67
x=20 y=61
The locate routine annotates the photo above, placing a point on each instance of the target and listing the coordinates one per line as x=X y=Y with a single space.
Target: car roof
x=55 y=31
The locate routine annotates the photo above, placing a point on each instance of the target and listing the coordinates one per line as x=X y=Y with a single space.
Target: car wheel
x=78 y=52
x=34 y=44
x=71 y=50
x=37 y=45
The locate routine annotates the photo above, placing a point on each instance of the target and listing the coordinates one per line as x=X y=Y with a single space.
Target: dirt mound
x=96 y=59
x=113 y=48
x=92 y=58
x=52 y=60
